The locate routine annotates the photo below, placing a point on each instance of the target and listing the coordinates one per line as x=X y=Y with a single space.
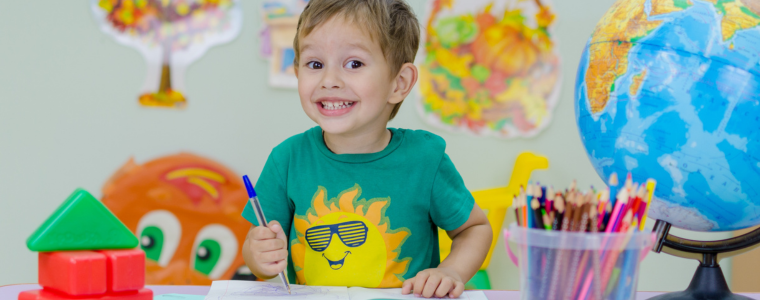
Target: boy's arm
x=453 y=208
x=475 y=236
x=470 y=245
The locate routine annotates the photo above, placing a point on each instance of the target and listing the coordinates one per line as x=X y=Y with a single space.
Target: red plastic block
x=75 y=273
x=125 y=269
x=45 y=294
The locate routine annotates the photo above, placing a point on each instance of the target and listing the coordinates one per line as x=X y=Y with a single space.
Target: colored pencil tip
x=613 y=179
x=535 y=204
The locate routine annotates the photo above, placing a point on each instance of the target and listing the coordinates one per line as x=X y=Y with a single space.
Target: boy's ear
x=405 y=80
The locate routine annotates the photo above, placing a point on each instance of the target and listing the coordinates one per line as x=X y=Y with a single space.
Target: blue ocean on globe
x=691 y=122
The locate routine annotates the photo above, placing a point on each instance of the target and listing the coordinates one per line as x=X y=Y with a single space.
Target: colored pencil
x=651 y=184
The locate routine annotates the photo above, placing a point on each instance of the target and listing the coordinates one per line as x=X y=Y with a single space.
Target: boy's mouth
x=335 y=107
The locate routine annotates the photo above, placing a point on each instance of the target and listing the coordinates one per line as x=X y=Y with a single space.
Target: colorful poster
x=489 y=68
x=170 y=34
x=280 y=24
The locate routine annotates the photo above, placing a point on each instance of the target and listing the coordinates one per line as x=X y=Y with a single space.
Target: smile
x=336 y=264
x=333 y=107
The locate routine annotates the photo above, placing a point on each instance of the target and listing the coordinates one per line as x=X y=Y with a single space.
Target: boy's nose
x=332 y=79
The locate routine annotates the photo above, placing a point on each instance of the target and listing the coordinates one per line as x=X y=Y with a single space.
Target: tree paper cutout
x=81 y=223
x=170 y=34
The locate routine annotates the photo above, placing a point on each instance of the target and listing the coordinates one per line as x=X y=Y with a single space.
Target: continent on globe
x=666 y=7
x=625 y=22
x=737 y=16
x=670 y=90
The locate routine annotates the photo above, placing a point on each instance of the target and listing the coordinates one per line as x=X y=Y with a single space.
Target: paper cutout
x=170 y=34
x=81 y=223
x=489 y=67
x=280 y=23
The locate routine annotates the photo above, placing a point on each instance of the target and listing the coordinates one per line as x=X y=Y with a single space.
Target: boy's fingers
x=419 y=282
x=406 y=287
x=275 y=226
x=273 y=256
x=458 y=290
x=431 y=285
x=277 y=229
x=444 y=288
x=263 y=233
x=268 y=245
x=275 y=268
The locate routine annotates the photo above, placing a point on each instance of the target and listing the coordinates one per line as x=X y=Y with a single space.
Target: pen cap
x=249 y=186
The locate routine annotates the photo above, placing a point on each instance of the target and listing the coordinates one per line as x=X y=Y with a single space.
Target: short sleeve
x=451 y=202
x=271 y=192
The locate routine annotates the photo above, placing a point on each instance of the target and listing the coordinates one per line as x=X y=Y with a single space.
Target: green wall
x=69 y=118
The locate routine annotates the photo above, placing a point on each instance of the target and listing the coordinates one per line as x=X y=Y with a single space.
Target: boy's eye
x=354 y=64
x=314 y=65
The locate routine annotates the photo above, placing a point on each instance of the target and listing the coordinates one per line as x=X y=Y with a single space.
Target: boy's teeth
x=333 y=105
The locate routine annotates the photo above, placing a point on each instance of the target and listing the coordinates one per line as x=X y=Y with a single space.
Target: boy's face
x=344 y=80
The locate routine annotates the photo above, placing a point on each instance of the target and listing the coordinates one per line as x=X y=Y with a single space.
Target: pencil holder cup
x=577 y=265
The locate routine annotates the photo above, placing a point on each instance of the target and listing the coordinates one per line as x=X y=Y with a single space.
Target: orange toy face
x=185 y=210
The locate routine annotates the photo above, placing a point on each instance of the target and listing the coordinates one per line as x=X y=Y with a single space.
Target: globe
x=670 y=90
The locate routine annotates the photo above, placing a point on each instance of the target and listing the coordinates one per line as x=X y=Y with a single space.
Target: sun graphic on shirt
x=347 y=241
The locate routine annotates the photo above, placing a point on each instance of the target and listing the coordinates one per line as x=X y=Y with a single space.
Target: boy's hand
x=438 y=282
x=269 y=248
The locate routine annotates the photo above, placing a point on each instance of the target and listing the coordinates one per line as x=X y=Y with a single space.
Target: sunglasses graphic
x=352 y=234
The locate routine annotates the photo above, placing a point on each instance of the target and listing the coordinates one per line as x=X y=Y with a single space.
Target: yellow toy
x=496 y=201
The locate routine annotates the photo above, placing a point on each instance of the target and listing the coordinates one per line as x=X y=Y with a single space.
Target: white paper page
x=357 y=293
x=257 y=290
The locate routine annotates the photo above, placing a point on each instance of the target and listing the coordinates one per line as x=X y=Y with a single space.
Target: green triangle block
x=81 y=223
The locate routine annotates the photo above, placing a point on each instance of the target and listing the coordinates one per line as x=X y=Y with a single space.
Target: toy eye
x=160 y=232
x=207 y=256
x=152 y=241
x=214 y=249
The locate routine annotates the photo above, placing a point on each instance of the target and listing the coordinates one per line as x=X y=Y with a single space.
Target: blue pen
x=260 y=217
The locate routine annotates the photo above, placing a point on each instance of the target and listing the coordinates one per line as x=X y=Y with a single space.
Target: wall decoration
x=170 y=34
x=489 y=67
x=185 y=210
x=280 y=23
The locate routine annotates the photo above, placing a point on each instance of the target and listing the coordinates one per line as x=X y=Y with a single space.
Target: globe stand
x=708 y=282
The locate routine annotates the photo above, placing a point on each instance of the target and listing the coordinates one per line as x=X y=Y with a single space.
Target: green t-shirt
x=365 y=220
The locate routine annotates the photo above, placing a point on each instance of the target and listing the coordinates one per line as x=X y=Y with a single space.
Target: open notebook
x=257 y=290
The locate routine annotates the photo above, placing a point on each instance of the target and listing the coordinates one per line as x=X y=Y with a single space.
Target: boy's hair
x=390 y=22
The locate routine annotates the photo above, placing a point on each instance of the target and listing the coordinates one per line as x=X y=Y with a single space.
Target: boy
x=353 y=202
